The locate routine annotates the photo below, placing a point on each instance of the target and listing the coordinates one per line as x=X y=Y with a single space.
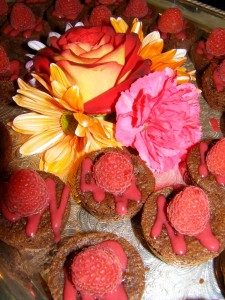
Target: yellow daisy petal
x=119 y=25
x=40 y=142
x=58 y=75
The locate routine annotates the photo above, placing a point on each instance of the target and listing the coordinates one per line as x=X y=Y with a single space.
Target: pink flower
x=159 y=118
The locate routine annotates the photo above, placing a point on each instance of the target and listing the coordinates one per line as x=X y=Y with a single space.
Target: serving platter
x=162 y=281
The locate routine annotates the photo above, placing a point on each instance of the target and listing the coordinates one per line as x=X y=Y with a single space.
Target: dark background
x=216 y=3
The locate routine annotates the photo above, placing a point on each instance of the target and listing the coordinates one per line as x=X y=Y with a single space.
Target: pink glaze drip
x=208 y=240
x=177 y=240
x=214 y=124
x=206 y=237
x=8 y=214
x=32 y=224
x=131 y=193
x=56 y=213
x=220 y=180
x=70 y=292
x=203 y=170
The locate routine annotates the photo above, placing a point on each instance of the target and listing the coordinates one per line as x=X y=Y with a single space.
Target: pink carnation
x=159 y=118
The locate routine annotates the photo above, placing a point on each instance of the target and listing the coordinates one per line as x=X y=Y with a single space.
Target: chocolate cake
x=35 y=246
x=107 y=209
x=161 y=245
x=214 y=97
x=133 y=277
x=222 y=124
x=198 y=171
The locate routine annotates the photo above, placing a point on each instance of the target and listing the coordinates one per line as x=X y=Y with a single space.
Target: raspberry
x=22 y=17
x=106 y=2
x=68 y=8
x=96 y=271
x=188 y=211
x=215 y=158
x=3 y=8
x=136 y=8
x=171 y=21
x=100 y=15
x=113 y=172
x=26 y=193
x=4 y=61
x=215 y=43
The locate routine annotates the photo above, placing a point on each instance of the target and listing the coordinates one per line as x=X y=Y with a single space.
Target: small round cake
x=213 y=85
x=222 y=123
x=113 y=184
x=176 y=31
x=80 y=264
x=34 y=211
x=206 y=166
x=184 y=226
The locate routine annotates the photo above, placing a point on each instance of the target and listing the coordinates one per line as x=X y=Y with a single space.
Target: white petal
x=36 y=45
x=180 y=53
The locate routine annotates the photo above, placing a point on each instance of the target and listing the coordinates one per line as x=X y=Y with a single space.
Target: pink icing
x=131 y=193
x=206 y=237
x=203 y=170
x=214 y=124
x=201 y=50
x=55 y=213
x=219 y=83
x=70 y=291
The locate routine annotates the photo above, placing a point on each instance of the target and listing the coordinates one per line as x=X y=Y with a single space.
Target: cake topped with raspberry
x=9 y=70
x=100 y=15
x=176 y=31
x=219 y=76
x=215 y=159
x=67 y=9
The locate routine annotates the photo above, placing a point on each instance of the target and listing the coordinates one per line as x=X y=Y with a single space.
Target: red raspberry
x=113 y=172
x=215 y=158
x=171 y=21
x=68 y=8
x=3 y=8
x=136 y=9
x=215 y=43
x=4 y=61
x=188 y=211
x=106 y=2
x=96 y=271
x=26 y=193
x=100 y=15
x=22 y=17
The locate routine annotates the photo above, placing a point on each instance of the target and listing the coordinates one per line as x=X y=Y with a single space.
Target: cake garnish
x=97 y=271
x=9 y=70
x=147 y=118
x=215 y=44
x=100 y=15
x=69 y=9
x=215 y=161
x=22 y=20
x=28 y=195
x=122 y=187
x=187 y=213
x=136 y=9
x=4 y=8
x=83 y=72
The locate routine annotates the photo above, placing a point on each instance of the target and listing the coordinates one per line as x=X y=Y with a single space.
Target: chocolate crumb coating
x=34 y=248
x=5 y=148
x=106 y=210
x=196 y=253
x=134 y=277
x=213 y=97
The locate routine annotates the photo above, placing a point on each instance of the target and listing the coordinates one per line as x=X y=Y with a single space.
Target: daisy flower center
x=68 y=123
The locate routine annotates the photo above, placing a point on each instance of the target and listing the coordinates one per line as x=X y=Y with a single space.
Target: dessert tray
x=162 y=281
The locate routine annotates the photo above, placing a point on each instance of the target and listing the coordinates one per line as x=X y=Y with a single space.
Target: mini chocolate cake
x=219 y=270
x=162 y=245
x=198 y=171
x=214 y=97
x=133 y=277
x=21 y=233
x=115 y=206
x=222 y=124
x=5 y=149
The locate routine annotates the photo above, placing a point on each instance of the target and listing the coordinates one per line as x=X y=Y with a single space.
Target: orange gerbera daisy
x=58 y=128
